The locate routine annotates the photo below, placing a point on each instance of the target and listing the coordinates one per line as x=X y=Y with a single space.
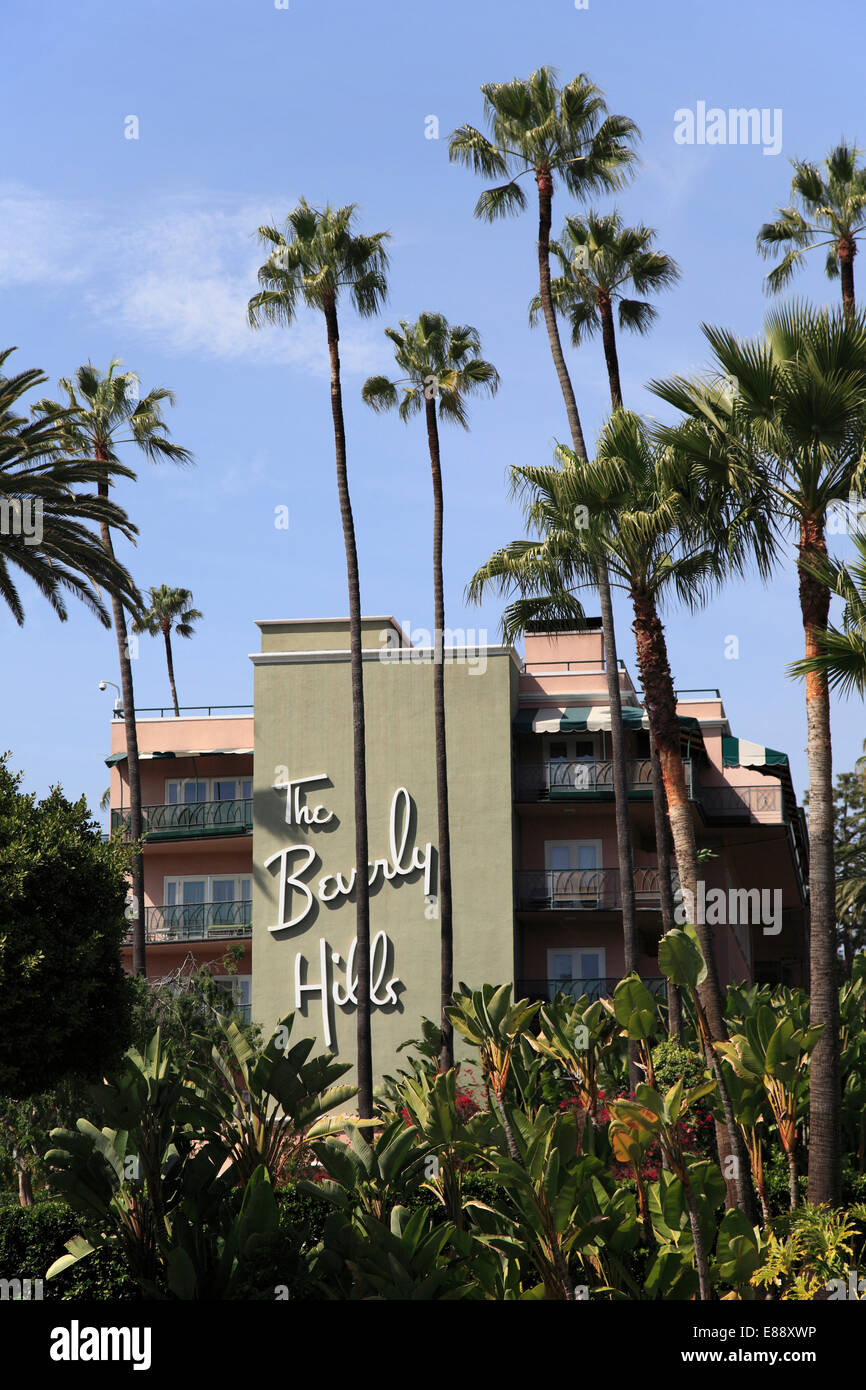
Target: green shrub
x=32 y=1238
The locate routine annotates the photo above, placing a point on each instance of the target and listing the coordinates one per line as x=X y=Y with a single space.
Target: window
x=575 y=876
x=195 y=905
x=240 y=988
x=579 y=971
x=185 y=791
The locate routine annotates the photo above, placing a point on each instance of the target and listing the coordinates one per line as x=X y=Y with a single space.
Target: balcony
x=585 y=779
x=193 y=821
x=593 y=989
x=197 y=922
x=762 y=804
x=583 y=890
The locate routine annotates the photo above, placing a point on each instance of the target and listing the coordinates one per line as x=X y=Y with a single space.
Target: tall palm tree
x=797 y=420
x=540 y=130
x=168 y=608
x=44 y=515
x=601 y=261
x=841 y=652
x=441 y=365
x=826 y=209
x=103 y=413
x=647 y=511
x=317 y=257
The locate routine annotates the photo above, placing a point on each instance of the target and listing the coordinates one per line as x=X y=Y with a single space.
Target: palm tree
x=316 y=258
x=825 y=210
x=168 y=608
x=648 y=512
x=541 y=130
x=103 y=413
x=442 y=364
x=841 y=652
x=43 y=530
x=796 y=421
x=600 y=261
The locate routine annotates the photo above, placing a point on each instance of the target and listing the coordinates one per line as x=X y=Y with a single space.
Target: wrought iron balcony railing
x=584 y=778
x=574 y=890
x=764 y=802
x=193 y=820
x=592 y=988
x=197 y=922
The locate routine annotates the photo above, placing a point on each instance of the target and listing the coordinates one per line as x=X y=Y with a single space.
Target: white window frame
x=576 y=952
x=580 y=900
x=208 y=784
x=209 y=880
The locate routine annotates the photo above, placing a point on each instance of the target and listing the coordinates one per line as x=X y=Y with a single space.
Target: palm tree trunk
x=139 y=957
x=545 y=202
x=847 y=250
x=446 y=932
x=362 y=886
x=608 y=340
x=620 y=794
x=793 y=1185
x=825 y=1101
x=663 y=860
x=661 y=707
x=698 y=1239
x=620 y=777
x=166 y=632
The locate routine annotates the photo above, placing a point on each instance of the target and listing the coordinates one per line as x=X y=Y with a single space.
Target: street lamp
x=118 y=704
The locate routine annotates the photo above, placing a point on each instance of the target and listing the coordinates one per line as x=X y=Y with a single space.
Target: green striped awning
x=584 y=719
x=740 y=752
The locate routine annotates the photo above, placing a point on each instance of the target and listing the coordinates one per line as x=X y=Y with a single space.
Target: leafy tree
x=442 y=365
x=168 y=608
x=100 y=407
x=316 y=259
x=65 y=999
x=826 y=209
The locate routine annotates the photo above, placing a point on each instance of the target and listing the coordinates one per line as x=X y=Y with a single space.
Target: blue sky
x=145 y=250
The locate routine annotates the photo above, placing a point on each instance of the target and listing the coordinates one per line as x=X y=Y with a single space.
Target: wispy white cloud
x=178 y=275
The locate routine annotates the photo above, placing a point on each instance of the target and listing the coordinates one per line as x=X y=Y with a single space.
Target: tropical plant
x=787 y=413
x=272 y=1100
x=100 y=406
x=775 y=1053
x=826 y=209
x=442 y=365
x=166 y=609
x=315 y=260
x=540 y=130
x=600 y=260
x=489 y=1020
x=44 y=513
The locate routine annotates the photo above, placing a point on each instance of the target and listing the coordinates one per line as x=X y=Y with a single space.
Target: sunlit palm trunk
x=446 y=1058
x=166 y=632
x=362 y=888
x=825 y=1103
x=661 y=707
x=620 y=779
x=139 y=961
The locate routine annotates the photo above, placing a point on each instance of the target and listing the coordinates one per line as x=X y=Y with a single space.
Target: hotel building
x=249 y=835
